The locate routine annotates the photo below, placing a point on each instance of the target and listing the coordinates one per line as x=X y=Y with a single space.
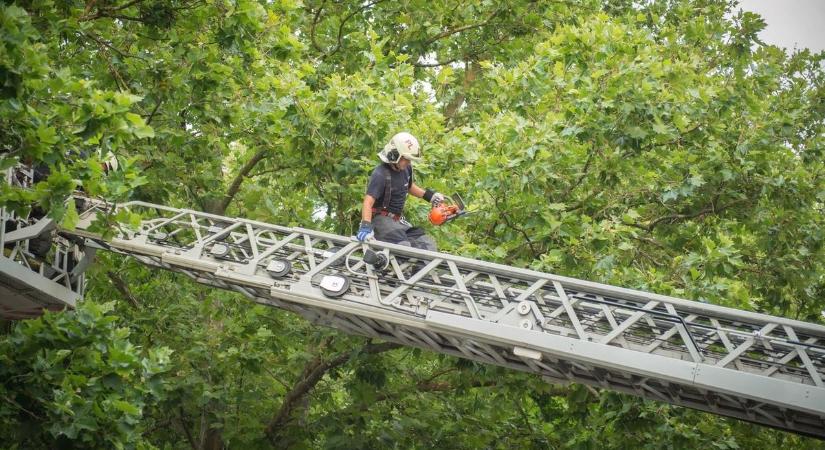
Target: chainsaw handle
x=455 y=199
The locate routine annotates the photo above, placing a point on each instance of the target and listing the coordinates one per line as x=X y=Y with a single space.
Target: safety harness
x=385 y=208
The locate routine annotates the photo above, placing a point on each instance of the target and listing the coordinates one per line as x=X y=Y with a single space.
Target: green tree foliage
x=629 y=149
x=75 y=379
x=655 y=145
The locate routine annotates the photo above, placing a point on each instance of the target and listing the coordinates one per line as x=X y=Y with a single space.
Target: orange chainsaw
x=449 y=209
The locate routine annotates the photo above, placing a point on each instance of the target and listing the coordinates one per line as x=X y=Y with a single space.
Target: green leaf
x=626 y=246
x=660 y=128
x=126 y=407
x=47 y=135
x=70 y=218
x=135 y=119
x=144 y=131
x=636 y=132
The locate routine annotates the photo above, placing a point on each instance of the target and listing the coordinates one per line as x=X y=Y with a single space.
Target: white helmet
x=402 y=145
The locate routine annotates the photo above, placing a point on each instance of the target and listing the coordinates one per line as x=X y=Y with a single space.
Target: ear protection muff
x=393 y=156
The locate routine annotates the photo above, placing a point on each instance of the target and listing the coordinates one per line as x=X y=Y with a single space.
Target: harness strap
x=387 y=188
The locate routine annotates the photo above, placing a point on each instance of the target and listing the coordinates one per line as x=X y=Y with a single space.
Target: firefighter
x=382 y=211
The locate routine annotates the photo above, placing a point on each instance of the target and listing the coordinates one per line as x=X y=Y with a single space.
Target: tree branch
x=418 y=388
x=314 y=24
x=89 y=5
x=448 y=33
x=19 y=406
x=106 y=11
x=429 y=386
x=343 y=22
x=440 y=373
x=235 y=186
x=512 y=226
x=313 y=372
x=123 y=288
x=578 y=182
x=470 y=74
x=154 y=111
x=101 y=15
x=467 y=56
x=673 y=218
x=102 y=12
x=184 y=425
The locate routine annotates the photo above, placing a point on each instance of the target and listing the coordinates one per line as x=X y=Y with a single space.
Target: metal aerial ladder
x=763 y=369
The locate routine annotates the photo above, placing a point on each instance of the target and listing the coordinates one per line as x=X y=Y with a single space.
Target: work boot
x=378 y=260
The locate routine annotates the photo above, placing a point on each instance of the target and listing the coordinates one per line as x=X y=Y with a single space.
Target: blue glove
x=364 y=231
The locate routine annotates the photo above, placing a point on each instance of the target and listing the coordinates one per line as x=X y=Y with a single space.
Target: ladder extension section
x=38 y=268
x=764 y=369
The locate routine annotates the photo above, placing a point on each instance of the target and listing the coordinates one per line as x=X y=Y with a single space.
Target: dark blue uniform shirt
x=400 y=182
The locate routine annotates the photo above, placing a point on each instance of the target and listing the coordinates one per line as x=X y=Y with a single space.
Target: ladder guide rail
x=752 y=366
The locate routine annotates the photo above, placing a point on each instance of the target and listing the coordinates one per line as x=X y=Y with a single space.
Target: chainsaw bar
x=458 y=202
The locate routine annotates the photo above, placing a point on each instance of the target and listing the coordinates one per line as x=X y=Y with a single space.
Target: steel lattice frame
x=755 y=367
x=38 y=269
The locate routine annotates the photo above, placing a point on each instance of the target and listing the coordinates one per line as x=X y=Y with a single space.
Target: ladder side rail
x=682 y=305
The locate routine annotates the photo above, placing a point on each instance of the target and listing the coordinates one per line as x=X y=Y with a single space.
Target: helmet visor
x=414 y=155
